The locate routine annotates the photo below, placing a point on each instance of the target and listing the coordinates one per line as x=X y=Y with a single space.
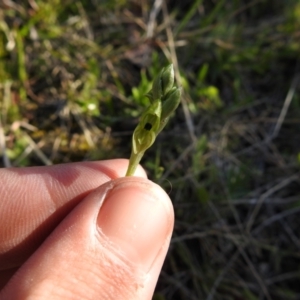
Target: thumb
x=111 y=246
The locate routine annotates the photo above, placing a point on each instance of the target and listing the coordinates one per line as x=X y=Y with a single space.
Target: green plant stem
x=133 y=162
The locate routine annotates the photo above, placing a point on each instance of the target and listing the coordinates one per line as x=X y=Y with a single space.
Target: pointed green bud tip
x=157 y=91
x=163 y=83
x=171 y=102
x=167 y=79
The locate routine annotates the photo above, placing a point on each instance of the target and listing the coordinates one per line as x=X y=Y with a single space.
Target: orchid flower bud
x=163 y=83
x=170 y=102
x=145 y=133
x=169 y=105
x=167 y=79
x=164 y=98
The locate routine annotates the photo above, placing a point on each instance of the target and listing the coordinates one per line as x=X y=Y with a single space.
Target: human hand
x=79 y=231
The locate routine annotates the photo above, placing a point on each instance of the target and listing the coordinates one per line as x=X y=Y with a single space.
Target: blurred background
x=73 y=75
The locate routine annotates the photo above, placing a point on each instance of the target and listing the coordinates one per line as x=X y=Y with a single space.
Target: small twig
x=222 y=275
x=182 y=156
x=275 y=218
x=187 y=115
x=86 y=26
x=152 y=16
x=286 y=105
x=267 y=194
x=38 y=151
x=281 y=277
x=87 y=133
x=255 y=273
x=22 y=156
x=290 y=233
x=178 y=284
x=191 y=236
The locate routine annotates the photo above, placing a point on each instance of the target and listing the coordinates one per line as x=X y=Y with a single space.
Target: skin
x=81 y=231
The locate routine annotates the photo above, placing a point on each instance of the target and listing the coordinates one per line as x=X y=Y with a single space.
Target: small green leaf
x=167 y=79
x=163 y=83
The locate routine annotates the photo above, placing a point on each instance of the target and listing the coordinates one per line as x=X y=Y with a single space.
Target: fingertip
x=109 y=245
x=138 y=216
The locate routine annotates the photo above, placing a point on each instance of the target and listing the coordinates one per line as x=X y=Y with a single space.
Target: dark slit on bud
x=148 y=126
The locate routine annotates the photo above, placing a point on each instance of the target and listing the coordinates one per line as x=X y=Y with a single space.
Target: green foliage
x=88 y=96
x=209 y=98
x=19 y=146
x=139 y=92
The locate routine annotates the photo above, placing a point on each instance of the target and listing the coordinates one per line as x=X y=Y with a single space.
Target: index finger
x=34 y=200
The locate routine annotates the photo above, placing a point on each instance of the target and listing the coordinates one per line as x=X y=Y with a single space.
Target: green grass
x=72 y=81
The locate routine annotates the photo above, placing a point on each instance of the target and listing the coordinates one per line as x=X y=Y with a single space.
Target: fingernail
x=137 y=220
